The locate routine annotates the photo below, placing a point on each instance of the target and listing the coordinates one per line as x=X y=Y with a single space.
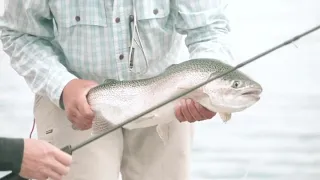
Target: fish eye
x=236 y=84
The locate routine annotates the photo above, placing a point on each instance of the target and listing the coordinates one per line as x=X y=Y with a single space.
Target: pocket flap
x=151 y=9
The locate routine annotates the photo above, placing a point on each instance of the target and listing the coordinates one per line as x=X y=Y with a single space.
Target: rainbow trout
x=116 y=101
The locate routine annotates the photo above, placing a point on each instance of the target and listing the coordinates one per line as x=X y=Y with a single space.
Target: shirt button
x=117 y=20
x=121 y=56
x=131 y=18
x=155 y=11
x=77 y=18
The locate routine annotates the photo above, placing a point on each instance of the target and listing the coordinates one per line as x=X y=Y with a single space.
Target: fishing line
x=69 y=149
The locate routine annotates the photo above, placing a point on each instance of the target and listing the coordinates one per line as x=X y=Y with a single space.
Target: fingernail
x=189 y=101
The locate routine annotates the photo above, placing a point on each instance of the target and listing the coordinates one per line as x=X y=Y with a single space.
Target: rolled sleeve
x=27 y=34
x=206 y=26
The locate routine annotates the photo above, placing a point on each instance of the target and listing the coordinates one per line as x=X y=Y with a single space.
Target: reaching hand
x=42 y=160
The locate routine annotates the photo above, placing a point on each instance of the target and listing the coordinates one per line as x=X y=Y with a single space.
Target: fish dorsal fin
x=107 y=81
x=172 y=65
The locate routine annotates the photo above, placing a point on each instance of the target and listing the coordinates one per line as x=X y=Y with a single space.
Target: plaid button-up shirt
x=51 y=42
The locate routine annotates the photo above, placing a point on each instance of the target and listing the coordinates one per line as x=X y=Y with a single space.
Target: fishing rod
x=69 y=149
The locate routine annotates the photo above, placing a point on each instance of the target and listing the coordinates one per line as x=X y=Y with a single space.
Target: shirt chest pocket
x=155 y=22
x=153 y=15
x=78 y=13
x=151 y=9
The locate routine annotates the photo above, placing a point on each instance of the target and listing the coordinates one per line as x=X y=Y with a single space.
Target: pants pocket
x=44 y=117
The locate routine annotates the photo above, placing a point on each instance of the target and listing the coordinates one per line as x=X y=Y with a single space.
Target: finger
x=37 y=176
x=89 y=86
x=79 y=122
x=86 y=114
x=185 y=111
x=42 y=177
x=53 y=175
x=193 y=110
x=62 y=157
x=85 y=121
x=85 y=111
x=74 y=116
x=199 y=110
x=71 y=114
x=59 y=168
x=207 y=114
x=178 y=113
x=79 y=125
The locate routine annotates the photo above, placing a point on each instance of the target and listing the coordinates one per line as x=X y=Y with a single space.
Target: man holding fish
x=63 y=48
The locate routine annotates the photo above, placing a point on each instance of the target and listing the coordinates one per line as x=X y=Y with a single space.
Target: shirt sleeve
x=27 y=33
x=206 y=27
x=11 y=154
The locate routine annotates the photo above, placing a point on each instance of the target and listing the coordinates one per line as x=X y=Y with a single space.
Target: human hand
x=41 y=161
x=191 y=111
x=76 y=105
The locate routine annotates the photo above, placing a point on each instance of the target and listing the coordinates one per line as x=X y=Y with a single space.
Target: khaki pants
x=138 y=154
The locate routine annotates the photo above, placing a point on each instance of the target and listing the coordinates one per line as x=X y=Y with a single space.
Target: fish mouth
x=252 y=92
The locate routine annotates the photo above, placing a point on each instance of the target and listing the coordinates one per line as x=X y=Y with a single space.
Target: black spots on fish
x=107 y=84
x=200 y=65
x=107 y=81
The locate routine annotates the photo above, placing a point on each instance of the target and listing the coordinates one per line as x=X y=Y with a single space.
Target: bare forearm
x=207 y=28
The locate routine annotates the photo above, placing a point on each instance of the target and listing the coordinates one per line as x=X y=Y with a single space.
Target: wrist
x=61 y=99
x=56 y=84
x=61 y=104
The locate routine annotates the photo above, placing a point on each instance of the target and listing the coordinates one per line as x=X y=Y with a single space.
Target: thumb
x=89 y=86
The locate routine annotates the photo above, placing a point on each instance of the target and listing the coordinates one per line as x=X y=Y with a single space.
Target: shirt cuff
x=56 y=84
x=217 y=51
x=11 y=154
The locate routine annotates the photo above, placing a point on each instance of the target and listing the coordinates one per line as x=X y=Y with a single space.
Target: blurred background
x=276 y=139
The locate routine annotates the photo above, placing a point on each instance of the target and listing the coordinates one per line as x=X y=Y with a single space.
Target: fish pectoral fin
x=225 y=116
